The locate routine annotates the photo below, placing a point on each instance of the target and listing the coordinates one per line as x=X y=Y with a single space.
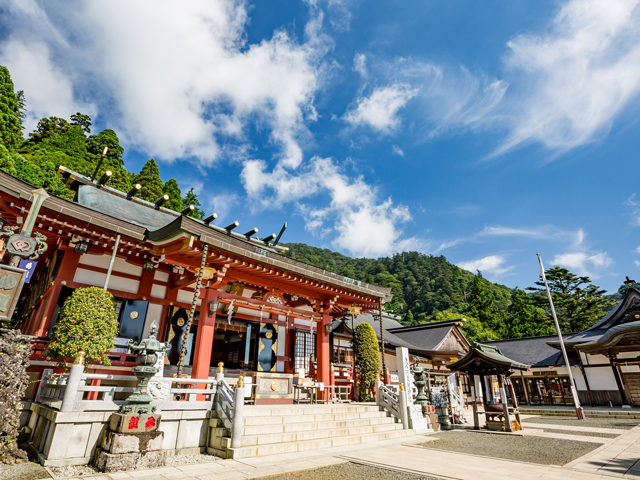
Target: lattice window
x=305 y=347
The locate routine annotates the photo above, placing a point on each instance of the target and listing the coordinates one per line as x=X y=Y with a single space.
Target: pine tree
x=11 y=111
x=482 y=305
x=149 y=179
x=175 y=200
x=579 y=304
x=524 y=319
x=192 y=199
x=121 y=178
x=408 y=319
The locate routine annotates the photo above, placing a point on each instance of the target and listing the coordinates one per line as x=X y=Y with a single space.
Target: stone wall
x=71 y=438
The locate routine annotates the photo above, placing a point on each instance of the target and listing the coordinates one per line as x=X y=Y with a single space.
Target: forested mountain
x=421 y=284
x=70 y=143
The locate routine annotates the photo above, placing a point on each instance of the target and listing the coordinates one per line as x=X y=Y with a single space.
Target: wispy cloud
x=584 y=262
x=491 y=264
x=573 y=238
x=561 y=88
x=635 y=210
x=397 y=151
x=379 y=110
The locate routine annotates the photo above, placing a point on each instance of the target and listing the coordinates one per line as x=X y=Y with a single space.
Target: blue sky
x=481 y=131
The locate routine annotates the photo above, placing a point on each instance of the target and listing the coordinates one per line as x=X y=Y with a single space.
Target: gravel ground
x=586 y=434
x=172 y=461
x=23 y=471
x=543 y=450
x=351 y=471
x=621 y=423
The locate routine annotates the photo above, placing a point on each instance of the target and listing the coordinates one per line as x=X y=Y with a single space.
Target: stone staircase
x=276 y=429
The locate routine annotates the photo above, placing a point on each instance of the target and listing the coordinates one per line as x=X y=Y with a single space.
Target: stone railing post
x=238 y=407
x=73 y=382
x=220 y=372
x=377 y=387
x=404 y=407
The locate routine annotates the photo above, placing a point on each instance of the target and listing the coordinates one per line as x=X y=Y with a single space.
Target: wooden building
x=604 y=360
x=259 y=312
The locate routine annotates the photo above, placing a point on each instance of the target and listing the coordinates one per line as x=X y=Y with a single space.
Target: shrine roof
x=428 y=336
x=534 y=351
x=486 y=359
x=137 y=219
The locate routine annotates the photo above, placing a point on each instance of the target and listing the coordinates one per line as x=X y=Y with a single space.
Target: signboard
x=29 y=266
x=11 y=283
x=20 y=244
x=404 y=371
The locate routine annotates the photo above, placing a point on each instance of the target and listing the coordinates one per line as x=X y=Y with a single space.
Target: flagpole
x=574 y=391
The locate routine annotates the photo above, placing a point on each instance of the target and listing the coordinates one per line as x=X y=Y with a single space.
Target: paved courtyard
x=610 y=456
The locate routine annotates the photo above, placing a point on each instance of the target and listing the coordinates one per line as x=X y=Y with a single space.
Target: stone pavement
x=618 y=457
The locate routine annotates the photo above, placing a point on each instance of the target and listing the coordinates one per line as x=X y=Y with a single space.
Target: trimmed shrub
x=365 y=347
x=87 y=322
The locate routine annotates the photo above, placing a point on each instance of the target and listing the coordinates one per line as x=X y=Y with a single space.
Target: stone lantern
x=133 y=439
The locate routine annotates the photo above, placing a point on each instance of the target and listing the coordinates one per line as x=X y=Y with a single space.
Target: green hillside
x=421 y=284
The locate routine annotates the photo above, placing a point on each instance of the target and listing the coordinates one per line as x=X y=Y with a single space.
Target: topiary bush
x=365 y=347
x=87 y=322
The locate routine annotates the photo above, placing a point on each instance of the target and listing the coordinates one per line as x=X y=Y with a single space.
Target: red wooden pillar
x=204 y=336
x=322 y=351
x=47 y=317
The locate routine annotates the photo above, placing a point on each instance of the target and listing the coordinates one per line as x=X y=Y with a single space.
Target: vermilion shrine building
x=282 y=308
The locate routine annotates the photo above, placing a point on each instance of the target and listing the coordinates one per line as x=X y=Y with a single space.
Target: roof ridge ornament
x=628 y=285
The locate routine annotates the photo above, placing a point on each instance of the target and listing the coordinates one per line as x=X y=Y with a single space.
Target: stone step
x=253 y=440
x=588 y=413
x=291 y=447
x=268 y=411
x=305 y=427
x=289 y=419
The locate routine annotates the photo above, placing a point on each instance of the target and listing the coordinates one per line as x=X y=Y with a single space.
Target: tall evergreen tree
x=523 y=319
x=482 y=305
x=191 y=198
x=149 y=179
x=121 y=178
x=579 y=304
x=175 y=199
x=83 y=121
x=11 y=111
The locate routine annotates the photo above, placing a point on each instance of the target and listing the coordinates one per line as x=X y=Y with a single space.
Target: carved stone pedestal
x=132 y=441
x=418 y=421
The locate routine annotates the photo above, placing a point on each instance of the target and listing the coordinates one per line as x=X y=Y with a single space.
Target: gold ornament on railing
x=79 y=360
x=220 y=368
x=240 y=383
x=402 y=387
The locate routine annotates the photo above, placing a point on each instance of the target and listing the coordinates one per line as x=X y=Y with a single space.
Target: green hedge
x=365 y=346
x=87 y=322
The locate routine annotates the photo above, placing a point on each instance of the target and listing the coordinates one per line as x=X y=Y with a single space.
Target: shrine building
x=262 y=314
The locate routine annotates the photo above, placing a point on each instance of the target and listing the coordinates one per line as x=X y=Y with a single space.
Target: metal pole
x=574 y=390
x=113 y=258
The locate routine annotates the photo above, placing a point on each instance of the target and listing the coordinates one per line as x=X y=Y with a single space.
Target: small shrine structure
x=482 y=364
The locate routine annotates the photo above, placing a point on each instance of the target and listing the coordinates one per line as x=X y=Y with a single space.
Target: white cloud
x=222 y=203
x=635 y=213
x=360 y=64
x=541 y=232
x=583 y=263
x=491 y=264
x=637 y=263
x=398 y=151
x=572 y=81
x=364 y=225
x=182 y=76
x=379 y=110
x=48 y=90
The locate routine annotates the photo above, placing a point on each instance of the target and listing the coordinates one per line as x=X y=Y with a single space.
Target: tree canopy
x=579 y=303
x=57 y=141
